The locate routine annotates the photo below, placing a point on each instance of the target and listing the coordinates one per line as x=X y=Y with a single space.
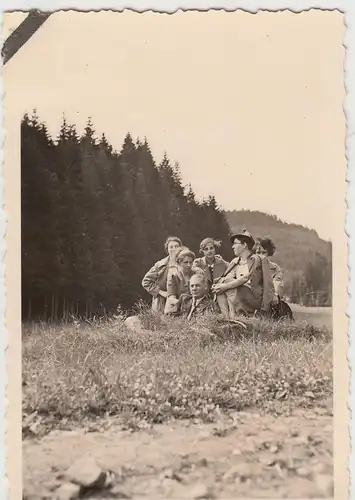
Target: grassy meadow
x=173 y=369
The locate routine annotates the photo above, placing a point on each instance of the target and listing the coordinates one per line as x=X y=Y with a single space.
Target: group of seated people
x=183 y=285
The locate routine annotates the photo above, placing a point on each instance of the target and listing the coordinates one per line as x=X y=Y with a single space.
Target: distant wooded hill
x=299 y=251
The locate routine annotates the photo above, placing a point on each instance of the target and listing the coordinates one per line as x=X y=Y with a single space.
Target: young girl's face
x=260 y=250
x=172 y=247
x=209 y=251
x=186 y=264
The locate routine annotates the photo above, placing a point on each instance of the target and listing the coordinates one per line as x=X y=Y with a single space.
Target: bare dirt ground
x=255 y=456
x=242 y=455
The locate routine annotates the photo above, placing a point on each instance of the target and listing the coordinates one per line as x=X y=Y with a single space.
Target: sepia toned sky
x=249 y=104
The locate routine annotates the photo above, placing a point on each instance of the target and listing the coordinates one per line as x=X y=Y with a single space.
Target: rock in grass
x=134 y=324
x=86 y=473
x=67 y=491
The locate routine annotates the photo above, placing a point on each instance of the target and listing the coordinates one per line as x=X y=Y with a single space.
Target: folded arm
x=229 y=283
x=235 y=283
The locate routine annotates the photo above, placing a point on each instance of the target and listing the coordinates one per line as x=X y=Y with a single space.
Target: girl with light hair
x=211 y=264
x=155 y=280
x=178 y=282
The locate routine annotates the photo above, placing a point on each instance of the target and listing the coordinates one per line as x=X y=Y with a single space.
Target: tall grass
x=172 y=369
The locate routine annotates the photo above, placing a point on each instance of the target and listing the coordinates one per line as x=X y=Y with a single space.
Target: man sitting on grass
x=198 y=301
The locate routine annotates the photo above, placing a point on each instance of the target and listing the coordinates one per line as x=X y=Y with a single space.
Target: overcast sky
x=249 y=104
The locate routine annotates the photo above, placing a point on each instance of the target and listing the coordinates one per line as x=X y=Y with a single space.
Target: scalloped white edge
x=345 y=6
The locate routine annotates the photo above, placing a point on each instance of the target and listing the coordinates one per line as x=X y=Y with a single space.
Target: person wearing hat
x=246 y=286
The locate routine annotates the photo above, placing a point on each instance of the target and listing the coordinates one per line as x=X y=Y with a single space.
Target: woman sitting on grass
x=178 y=282
x=155 y=281
x=279 y=308
x=265 y=247
x=246 y=286
x=211 y=264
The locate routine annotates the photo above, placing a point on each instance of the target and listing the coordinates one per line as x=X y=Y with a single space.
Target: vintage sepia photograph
x=182 y=253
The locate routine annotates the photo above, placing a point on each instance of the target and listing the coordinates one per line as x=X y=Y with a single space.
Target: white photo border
x=345 y=6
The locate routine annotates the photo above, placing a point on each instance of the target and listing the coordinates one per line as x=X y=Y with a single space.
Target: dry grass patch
x=172 y=370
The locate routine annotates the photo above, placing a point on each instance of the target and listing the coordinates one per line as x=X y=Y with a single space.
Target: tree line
x=94 y=220
x=312 y=286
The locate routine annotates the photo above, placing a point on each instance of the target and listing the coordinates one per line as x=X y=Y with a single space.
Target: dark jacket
x=205 y=306
x=220 y=265
x=176 y=284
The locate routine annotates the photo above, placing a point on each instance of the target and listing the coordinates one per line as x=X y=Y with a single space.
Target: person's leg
x=232 y=302
x=222 y=302
x=238 y=302
x=246 y=300
x=158 y=304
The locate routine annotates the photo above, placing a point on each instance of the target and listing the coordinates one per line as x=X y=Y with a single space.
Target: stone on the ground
x=133 y=323
x=118 y=492
x=202 y=462
x=304 y=471
x=85 y=472
x=201 y=491
x=67 y=491
x=170 y=474
x=266 y=458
